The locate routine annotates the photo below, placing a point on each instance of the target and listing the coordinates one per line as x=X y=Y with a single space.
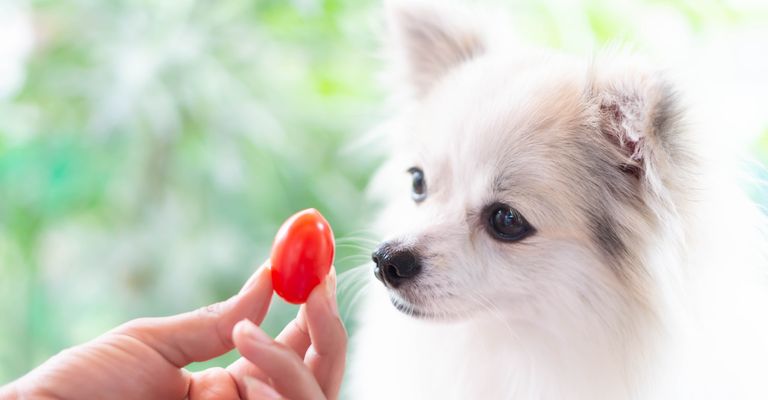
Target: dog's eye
x=507 y=224
x=419 y=185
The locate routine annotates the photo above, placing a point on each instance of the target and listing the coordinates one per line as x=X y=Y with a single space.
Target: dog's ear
x=639 y=115
x=428 y=40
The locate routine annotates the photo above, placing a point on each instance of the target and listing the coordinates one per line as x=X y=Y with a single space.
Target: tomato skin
x=302 y=255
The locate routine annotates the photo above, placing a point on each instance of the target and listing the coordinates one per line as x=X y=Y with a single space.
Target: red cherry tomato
x=301 y=255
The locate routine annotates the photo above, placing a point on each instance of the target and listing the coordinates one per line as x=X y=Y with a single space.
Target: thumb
x=207 y=332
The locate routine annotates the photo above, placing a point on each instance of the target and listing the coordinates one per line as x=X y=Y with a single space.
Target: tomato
x=301 y=255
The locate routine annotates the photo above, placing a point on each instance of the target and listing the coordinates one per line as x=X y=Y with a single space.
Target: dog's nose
x=395 y=266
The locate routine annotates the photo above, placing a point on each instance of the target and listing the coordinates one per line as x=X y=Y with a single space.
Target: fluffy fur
x=644 y=278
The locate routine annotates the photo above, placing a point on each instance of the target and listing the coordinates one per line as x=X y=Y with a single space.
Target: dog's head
x=521 y=181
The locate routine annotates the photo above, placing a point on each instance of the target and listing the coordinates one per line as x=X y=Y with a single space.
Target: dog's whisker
x=362 y=231
x=364 y=249
x=351 y=274
x=353 y=302
x=351 y=281
x=356 y=237
x=353 y=258
x=357 y=240
x=496 y=313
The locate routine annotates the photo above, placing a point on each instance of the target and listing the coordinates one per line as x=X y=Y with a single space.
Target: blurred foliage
x=153 y=147
x=156 y=147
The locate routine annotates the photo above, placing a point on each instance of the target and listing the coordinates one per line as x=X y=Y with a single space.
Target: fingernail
x=264 y=268
x=330 y=294
x=255 y=387
x=253 y=332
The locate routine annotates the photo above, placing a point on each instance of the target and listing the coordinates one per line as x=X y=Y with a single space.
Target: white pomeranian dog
x=553 y=229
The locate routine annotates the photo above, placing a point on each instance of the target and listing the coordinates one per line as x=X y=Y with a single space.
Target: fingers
x=282 y=365
x=317 y=324
x=206 y=333
x=258 y=390
x=327 y=356
x=241 y=370
x=296 y=334
x=212 y=384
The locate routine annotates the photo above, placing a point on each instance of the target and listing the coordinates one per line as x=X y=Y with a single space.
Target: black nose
x=395 y=266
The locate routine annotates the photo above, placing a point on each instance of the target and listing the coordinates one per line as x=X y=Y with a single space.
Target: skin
x=145 y=358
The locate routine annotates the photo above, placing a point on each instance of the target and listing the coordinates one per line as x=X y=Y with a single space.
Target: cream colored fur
x=645 y=278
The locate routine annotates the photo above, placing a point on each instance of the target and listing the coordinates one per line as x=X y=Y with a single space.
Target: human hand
x=144 y=358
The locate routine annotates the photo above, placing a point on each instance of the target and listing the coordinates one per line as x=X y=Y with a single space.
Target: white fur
x=681 y=316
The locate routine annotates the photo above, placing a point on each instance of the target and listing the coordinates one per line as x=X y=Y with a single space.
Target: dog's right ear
x=427 y=41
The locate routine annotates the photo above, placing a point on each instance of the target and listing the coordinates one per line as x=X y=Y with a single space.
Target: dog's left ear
x=639 y=116
x=428 y=40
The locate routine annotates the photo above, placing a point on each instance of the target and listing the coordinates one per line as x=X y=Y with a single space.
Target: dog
x=552 y=230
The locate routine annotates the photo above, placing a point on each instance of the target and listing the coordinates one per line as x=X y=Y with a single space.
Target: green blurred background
x=149 y=149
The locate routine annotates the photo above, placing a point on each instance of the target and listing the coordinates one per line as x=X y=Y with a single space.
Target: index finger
x=206 y=333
